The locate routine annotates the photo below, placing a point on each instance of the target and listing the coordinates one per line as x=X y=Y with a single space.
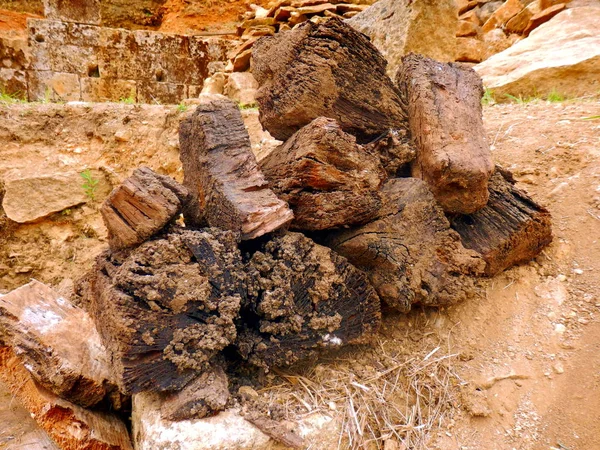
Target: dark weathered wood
x=202 y=397
x=326 y=177
x=409 y=253
x=509 y=230
x=70 y=426
x=393 y=152
x=302 y=297
x=57 y=342
x=327 y=70
x=167 y=307
x=453 y=155
x=228 y=191
x=140 y=207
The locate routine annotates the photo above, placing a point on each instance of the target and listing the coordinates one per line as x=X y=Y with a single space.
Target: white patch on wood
x=41 y=319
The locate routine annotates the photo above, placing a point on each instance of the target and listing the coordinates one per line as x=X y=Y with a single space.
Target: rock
x=548 y=3
x=471 y=16
x=487 y=9
x=562 y=54
x=242 y=61
x=502 y=15
x=543 y=17
x=398 y=27
x=29 y=198
x=214 y=84
x=241 y=87
x=466 y=28
x=87 y=11
x=519 y=22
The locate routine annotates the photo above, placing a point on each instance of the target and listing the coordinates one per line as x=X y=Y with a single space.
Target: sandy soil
x=515 y=369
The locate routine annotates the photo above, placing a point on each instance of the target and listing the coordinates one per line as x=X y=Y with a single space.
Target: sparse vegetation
x=244 y=106
x=555 y=97
x=128 y=100
x=90 y=184
x=182 y=108
x=488 y=98
x=9 y=99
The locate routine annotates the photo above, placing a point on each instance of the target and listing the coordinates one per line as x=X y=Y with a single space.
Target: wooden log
x=409 y=253
x=509 y=230
x=70 y=426
x=453 y=155
x=303 y=298
x=227 y=189
x=203 y=397
x=326 y=177
x=393 y=153
x=140 y=207
x=167 y=307
x=39 y=325
x=327 y=70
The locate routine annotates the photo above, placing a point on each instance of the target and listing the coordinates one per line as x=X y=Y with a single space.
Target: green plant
x=591 y=118
x=520 y=100
x=181 y=107
x=488 y=97
x=47 y=95
x=9 y=99
x=244 y=106
x=90 y=184
x=554 y=97
x=128 y=100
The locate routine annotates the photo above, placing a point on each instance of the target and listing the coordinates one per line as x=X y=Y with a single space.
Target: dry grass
x=406 y=400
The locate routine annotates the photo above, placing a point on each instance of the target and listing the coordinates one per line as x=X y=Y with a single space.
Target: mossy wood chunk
x=509 y=230
x=39 y=325
x=205 y=396
x=409 y=252
x=453 y=155
x=228 y=191
x=328 y=70
x=303 y=298
x=71 y=426
x=140 y=207
x=167 y=307
x=326 y=177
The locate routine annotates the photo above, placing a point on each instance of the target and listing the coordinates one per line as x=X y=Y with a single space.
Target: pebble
x=561 y=277
x=578 y=271
x=558 y=368
x=560 y=328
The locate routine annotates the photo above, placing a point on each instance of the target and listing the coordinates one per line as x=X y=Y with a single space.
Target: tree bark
x=328 y=70
x=303 y=298
x=326 y=177
x=141 y=207
x=453 y=156
x=227 y=189
x=409 y=252
x=39 y=325
x=70 y=426
x=167 y=307
x=509 y=230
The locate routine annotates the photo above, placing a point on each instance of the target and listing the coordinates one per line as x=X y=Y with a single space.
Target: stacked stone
x=283 y=15
x=487 y=27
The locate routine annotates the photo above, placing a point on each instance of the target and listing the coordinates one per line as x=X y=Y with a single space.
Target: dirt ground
x=517 y=368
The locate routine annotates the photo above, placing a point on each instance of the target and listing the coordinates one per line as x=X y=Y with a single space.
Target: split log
x=205 y=396
x=393 y=153
x=509 y=230
x=326 y=177
x=409 y=253
x=302 y=297
x=141 y=207
x=227 y=189
x=70 y=426
x=39 y=325
x=328 y=70
x=167 y=307
x=453 y=155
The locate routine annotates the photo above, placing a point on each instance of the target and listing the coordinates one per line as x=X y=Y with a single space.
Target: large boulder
x=398 y=27
x=562 y=55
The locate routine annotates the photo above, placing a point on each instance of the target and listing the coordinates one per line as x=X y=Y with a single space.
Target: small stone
x=561 y=277
x=559 y=328
x=558 y=368
x=247 y=392
x=578 y=271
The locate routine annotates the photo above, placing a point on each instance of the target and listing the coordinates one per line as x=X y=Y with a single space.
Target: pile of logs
x=283 y=15
x=383 y=191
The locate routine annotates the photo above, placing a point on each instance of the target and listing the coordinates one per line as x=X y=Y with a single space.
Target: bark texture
x=453 y=155
x=39 y=325
x=167 y=307
x=302 y=298
x=393 y=153
x=409 y=253
x=326 y=177
x=511 y=229
x=327 y=70
x=227 y=189
x=140 y=207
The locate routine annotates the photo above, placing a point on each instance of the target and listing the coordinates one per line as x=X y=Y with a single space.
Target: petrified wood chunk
x=326 y=177
x=327 y=70
x=70 y=426
x=509 y=230
x=228 y=191
x=140 y=207
x=205 y=396
x=393 y=152
x=409 y=253
x=39 y=325
x=303 y=297
x=167 y=307
x=453 y=155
